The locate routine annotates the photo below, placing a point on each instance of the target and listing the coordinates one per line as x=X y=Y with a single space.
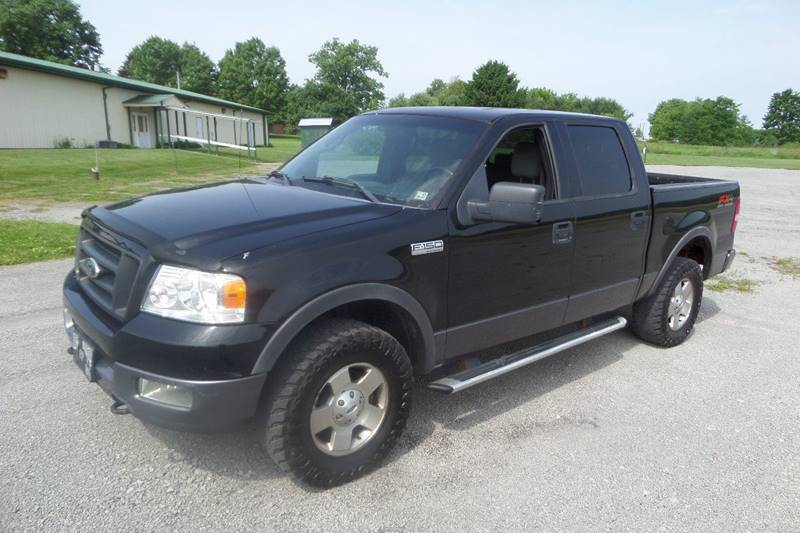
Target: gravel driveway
x=611 y=435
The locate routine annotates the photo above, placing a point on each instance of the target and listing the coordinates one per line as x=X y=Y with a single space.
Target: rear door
x=611 y=220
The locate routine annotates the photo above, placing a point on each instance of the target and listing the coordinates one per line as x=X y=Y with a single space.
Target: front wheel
x=341 y=399
x=667 y=316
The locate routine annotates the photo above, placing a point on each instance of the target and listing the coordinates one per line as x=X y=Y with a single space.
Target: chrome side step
x=502 y=365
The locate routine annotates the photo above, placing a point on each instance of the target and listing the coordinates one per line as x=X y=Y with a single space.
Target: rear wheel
x=341 y=399
x=667 y=316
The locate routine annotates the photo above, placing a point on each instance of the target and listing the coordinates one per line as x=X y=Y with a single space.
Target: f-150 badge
x=430 y=247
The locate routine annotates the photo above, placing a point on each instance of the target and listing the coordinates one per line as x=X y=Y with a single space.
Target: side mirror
x=518 y=203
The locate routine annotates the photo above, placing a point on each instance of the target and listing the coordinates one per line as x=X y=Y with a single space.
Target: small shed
x=312 y=129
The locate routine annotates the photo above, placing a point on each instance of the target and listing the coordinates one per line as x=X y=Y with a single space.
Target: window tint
x=602 y=166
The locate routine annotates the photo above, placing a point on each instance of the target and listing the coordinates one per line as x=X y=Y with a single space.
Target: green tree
x=49 y=29
x=702 y=121
x=154 y=60
x=198 y=72
x=666 y=122
x=438 y=93
x=398 y=101
x=345 y=82
x=254 y=74
x=158 y=60
x=605 y=106
x=449 y=93
x=783 y=116
x=494 y=85
x=542 y=98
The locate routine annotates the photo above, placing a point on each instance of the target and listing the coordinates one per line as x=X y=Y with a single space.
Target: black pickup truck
x=405 y=242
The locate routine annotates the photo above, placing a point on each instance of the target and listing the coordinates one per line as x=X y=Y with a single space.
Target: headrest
x=502 y=160
x=526 y=161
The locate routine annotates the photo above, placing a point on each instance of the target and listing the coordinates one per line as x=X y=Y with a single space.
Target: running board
x=502 y=365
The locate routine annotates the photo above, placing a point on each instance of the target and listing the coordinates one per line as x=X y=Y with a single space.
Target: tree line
x=719 y=122
x=348 y=80
x=254 y=74
x=493 y=84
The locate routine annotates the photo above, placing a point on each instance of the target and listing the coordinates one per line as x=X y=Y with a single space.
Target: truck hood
x=220 y=220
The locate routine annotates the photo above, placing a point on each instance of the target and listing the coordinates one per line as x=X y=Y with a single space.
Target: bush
x=63 y=142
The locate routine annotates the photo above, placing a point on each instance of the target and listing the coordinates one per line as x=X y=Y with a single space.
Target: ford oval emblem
x=89 y=267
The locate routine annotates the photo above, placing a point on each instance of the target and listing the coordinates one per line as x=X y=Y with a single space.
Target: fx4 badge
x=725 y=199
x=430 y=247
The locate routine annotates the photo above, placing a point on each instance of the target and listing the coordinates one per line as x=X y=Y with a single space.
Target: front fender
x=320 y=305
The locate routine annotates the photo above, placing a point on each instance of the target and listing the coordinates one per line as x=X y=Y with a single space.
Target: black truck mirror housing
x=518 y=203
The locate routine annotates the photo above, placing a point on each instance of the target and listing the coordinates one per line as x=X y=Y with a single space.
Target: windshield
x=403 y=159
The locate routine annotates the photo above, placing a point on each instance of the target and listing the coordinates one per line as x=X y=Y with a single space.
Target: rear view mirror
x=518 y=203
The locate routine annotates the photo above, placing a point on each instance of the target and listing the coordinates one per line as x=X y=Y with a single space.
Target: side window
x=602 y=165
x=522 y=157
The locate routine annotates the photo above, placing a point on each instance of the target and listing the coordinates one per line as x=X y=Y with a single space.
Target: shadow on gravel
x=708 y=308
x=463 y=411
x=238 y=454
x=235 y=454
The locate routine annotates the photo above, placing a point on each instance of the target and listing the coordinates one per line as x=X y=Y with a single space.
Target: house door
x=141 y=130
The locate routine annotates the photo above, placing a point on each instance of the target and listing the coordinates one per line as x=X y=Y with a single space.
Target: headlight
x=195 y=296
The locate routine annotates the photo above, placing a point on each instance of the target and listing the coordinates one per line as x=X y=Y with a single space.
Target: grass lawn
x=24 y=241
x=283 y=147
x=63 y=175
x=663 y=153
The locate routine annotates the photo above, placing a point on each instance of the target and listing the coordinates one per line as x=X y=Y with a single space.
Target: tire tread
x=302 y=362
x=649 y=315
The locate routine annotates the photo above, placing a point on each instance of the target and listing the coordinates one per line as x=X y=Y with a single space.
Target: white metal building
x=45 y=104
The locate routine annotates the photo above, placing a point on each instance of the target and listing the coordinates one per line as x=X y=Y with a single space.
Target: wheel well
x=699 y=251
x=389 y=317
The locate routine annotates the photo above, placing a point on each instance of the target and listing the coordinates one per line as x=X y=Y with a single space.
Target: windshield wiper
x=344 y=182
x=281 y=176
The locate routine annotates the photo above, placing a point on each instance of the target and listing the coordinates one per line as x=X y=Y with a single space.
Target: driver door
x=508 y=281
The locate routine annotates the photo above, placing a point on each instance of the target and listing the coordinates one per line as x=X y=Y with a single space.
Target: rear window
x=602 y=166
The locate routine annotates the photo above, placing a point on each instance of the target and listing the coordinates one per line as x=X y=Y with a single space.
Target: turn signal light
x=234 y=294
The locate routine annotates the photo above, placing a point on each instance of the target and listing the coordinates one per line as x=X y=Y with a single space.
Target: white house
x=45 y=104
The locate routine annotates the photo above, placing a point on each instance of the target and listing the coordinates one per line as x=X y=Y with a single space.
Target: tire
x=342 y=354
x=658 y=319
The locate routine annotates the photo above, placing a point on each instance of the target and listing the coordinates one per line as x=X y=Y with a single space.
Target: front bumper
x=216 y=405
x=211 y=362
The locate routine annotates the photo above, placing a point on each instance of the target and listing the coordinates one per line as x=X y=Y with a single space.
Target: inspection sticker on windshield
x=421 y=195
x=430 y=247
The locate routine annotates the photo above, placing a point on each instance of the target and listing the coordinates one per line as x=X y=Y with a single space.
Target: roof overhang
x=154 y=100
x=58 y=69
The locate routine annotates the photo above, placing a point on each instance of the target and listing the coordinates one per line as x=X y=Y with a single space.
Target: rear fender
x=697 y=231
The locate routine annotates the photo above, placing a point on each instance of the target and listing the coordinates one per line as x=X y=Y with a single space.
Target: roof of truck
x=484 y=114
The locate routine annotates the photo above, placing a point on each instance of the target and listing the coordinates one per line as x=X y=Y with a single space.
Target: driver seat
x=526 y=163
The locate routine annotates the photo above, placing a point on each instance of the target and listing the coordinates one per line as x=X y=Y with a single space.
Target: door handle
x=638 y=219
x=563 y=232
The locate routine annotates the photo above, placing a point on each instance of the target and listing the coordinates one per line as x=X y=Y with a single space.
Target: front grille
x=111 y=289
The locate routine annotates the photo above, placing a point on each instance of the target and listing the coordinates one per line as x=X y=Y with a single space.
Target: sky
x=639 y=53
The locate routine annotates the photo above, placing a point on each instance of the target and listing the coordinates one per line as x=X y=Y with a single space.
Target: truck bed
x=683 y=202
x=656 y=178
